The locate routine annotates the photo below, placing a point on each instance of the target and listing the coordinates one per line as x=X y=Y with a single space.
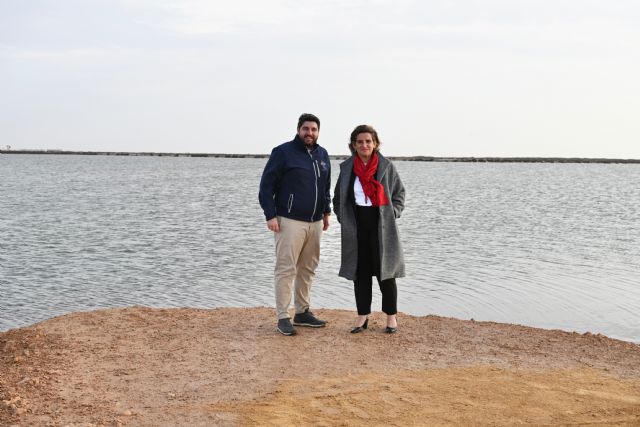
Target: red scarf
x=373 y=190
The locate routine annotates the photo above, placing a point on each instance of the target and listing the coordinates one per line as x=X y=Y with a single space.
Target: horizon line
x=488 y=159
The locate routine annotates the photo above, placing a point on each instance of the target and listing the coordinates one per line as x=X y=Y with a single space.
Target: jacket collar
x=298 y=142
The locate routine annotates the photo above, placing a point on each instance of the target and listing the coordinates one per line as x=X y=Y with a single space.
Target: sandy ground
x=189 y=367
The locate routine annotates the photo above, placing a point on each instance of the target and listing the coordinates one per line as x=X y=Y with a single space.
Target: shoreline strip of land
x=335 y=157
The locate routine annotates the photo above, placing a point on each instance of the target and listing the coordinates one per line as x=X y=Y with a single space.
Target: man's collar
x=300 y=143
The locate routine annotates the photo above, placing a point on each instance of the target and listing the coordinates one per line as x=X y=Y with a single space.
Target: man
x=294 y=194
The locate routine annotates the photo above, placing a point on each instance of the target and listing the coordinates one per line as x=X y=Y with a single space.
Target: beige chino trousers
x=297 y=256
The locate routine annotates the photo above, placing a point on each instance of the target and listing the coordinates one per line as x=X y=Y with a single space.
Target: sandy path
x=155 y=367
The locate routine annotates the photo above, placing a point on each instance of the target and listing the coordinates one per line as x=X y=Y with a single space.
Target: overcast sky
x=442 y=78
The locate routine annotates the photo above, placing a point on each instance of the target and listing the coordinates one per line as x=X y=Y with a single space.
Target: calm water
x=546 y=245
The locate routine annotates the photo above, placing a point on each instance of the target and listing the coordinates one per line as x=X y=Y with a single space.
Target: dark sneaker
x=308 y=319
x=285 y=327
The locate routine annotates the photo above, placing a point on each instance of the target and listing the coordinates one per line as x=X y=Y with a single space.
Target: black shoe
x=357 y=329
x=285 y=327
x=391 y=330
x=308 y=319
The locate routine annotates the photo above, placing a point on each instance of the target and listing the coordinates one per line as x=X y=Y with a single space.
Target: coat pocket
x=290 y=203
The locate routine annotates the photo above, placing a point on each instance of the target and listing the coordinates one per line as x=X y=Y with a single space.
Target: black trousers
x=367 y=218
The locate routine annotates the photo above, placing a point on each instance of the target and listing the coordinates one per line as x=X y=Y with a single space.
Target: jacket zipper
x=314 y=164
x=290 y=204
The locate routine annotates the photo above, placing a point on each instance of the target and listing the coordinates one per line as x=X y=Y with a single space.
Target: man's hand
x=273 y=225
x=325 y=221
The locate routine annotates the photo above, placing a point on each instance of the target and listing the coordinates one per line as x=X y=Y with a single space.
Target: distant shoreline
x=337 y=157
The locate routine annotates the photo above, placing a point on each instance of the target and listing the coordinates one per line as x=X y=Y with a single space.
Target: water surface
x=545 y=245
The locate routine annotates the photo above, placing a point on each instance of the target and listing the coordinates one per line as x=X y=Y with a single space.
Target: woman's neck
x=365 y=160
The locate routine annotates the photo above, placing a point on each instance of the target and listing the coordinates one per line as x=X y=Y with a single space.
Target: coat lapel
x=383 y=164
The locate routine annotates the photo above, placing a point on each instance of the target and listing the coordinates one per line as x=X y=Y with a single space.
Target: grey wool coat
x=391 y=256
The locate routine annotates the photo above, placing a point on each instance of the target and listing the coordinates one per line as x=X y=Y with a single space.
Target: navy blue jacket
x=296 y=182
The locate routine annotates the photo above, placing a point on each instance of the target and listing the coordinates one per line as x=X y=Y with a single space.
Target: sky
x=506 y=78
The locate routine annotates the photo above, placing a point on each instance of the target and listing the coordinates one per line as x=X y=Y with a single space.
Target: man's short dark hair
x=306 y=117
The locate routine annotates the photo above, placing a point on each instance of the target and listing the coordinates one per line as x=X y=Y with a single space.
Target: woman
x=368 y=198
